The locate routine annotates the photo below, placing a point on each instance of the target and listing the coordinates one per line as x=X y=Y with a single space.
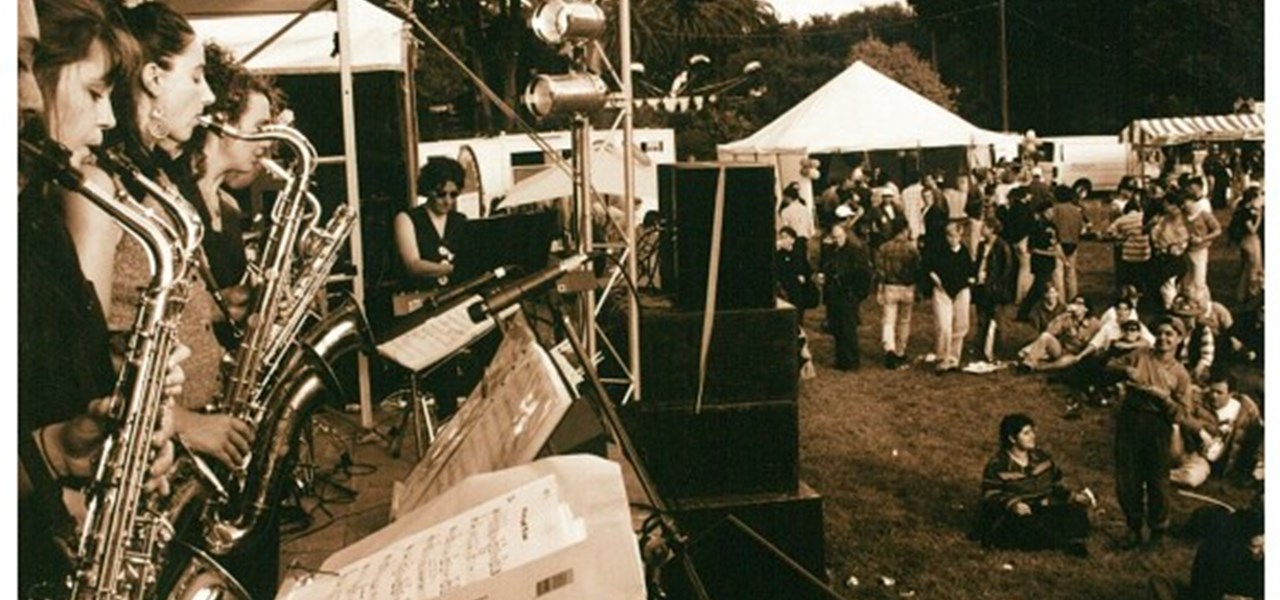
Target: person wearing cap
x=1062 y=340
x=883 y=217
x=897 y=264
x=796 y=214
x=1119 y=333
x=1197 y=348
x=1025 y=503
x=1157 y=394
x=1224 y=437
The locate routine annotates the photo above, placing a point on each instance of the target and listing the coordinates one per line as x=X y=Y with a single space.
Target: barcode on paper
x=555 y=582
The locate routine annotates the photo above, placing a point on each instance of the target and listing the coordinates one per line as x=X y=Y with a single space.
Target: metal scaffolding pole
x=629 y=192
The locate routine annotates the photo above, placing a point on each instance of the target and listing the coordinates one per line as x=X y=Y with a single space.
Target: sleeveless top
x=195 y=329
x=431 y=245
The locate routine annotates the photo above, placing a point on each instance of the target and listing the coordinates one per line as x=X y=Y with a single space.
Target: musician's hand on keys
x=175 y=377
x=223 y=437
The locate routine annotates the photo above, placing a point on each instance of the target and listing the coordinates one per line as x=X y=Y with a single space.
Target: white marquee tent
x=860 y=110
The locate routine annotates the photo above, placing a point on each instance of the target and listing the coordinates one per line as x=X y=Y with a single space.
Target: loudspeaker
x=734 y=561
x=754 y=354
x=792 y=522
x=744 y=448
x=686 y=199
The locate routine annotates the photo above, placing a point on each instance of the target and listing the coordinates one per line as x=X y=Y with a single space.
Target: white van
x=1086 y=163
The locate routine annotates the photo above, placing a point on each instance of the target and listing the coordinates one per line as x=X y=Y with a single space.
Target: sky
x=800 y=10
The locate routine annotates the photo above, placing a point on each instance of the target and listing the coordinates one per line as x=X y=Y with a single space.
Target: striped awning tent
x=1180 y=130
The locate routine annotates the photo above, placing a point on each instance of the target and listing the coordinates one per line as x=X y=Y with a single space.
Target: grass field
x=898 y=456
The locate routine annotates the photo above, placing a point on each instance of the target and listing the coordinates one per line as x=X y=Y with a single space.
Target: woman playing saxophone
x=158 y=104
x=69 y=59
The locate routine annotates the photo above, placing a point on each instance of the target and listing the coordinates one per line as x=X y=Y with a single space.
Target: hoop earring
x=158 y=127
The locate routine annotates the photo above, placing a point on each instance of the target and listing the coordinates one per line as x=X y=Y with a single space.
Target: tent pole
x=352 y=173
x=629 y=191
x=409 y=89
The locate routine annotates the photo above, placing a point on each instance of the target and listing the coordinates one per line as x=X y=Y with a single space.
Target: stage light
x=573 y=21
x=574 y=93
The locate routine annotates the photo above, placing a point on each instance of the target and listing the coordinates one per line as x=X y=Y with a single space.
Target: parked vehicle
x=1087 y=163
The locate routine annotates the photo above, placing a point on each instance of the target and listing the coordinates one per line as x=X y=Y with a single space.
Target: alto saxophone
x=162 y=571
x=124 y=540
x=281 y=371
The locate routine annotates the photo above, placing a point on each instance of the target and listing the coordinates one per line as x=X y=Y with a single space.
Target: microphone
x=498 y=300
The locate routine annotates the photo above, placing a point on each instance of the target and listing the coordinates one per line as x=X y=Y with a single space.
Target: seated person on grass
x=1025 y=504
x=1225 y=437
x=1063 y=338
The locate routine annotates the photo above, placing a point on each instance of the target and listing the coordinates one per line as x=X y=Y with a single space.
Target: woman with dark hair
x=426 y=233
x=1025 y=504
x=159 y=103
x=215 y=163
x=64 y=361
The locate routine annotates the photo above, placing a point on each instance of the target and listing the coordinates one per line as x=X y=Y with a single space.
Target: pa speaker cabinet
x=734 y=561
x=686 y=199
x=746 y=448
x=754 y=354
x=791 y=522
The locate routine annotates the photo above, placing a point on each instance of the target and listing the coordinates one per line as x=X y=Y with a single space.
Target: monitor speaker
x=687 y=199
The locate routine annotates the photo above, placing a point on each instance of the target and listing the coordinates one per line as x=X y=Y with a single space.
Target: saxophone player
x=157 y=105
x=64 y=365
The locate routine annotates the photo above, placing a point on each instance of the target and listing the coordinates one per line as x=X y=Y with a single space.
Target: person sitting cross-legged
x=1025 y=504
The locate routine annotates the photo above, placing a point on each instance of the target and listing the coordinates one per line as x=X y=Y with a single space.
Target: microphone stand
x=608 y=414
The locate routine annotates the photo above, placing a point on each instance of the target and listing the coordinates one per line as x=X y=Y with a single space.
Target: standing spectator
x=913 y=209
x=1245 y=232
x=1247 y=338
x=1134 y=245
x=1069 y=222
x=1157 y=393
x=1018 y=219
x=795 y=275
x=993 y=285
x=952 y=274
x=898 y=268
x=882 y=217
x=1203 y=228
x=1042 y=243
x=1025 y=504
x=847 y=275
x=1169 y=240
x=796 y=214
x=1224 y=437
x=935 y=224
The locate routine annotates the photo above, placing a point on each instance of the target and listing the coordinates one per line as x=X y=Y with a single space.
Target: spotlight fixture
x=574 y=93
x=573 y=21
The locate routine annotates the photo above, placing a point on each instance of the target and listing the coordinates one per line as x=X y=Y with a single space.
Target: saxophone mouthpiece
x=274 y=168
x=209 y=123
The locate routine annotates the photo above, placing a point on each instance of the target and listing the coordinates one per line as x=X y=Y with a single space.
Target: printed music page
x=505 y=422
x=557 y=528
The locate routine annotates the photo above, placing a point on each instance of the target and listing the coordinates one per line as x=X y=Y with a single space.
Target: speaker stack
x=738 y=456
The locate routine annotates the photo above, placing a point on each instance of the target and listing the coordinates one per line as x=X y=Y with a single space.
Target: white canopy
x=1180 y=130
x=861 y=110
x=310 y=46
x=606 y=178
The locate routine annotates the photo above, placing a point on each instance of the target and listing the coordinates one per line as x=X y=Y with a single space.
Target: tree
x=902 y=64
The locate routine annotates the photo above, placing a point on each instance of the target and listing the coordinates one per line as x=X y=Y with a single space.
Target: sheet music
x=505 y=421
x=503 y=533
x=438 y=337
x=558 y=528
